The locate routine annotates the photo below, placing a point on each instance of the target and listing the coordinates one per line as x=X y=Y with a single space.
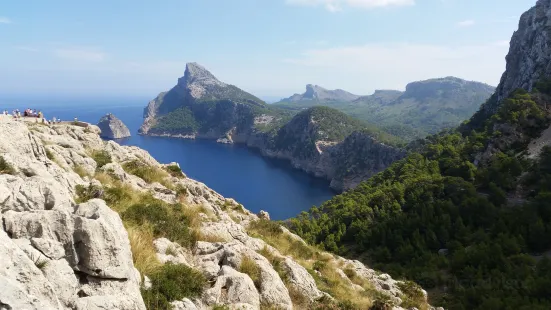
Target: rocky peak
x=529 y=57
x=113 y=128
x=197 y=74
x=434 y=87
x=316 y=92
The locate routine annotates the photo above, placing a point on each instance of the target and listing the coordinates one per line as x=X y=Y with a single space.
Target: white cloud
x=466 y=23
x=393 y=65
x=5 y=20
x=337 y=5
x=80 y=54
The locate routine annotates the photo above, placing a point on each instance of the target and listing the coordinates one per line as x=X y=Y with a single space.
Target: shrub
x=148 y=173
x=175 y=171
x=166 y=220
x=5 y=167
x=413 y=295
x=86 y=193
x=250 y=267
x=172 y=282
x=102 y=158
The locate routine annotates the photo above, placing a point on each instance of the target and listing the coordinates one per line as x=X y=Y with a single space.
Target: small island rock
x=112 y=127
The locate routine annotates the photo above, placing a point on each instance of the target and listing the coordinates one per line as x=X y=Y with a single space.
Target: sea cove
x=234 y=171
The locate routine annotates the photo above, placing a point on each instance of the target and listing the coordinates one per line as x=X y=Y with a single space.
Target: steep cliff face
x=528 y=60
x=327 y=143
x=80 y=240
x=112 y=128
x=202 y=106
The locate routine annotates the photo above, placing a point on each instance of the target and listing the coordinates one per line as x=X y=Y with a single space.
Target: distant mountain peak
x=197 y=74
x=316 y=92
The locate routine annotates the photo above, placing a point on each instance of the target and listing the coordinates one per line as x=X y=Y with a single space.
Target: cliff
x=319 y=94
x=201 y=106
x=90 y=224
x=112 y=128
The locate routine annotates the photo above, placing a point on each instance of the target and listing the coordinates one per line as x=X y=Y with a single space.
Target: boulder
x=232 y=288
x=112 y=128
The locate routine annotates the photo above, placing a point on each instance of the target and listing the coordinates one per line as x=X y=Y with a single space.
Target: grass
x=49 y=154
x=143 y=253
x=413 y=296
x=5 y=167
x=272 y=233
x=175 y=171
x=166 y=220
x=173 y=282
x=40 y=263
x=171 y=250
x=85 y=193
x=102 y=158
x=148 y=173
x=81 y=171
x=250 y=267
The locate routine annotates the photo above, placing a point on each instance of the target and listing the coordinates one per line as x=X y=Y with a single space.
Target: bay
x=234 y=171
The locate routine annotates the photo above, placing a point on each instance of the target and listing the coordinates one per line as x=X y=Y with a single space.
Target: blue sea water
x=234 y=171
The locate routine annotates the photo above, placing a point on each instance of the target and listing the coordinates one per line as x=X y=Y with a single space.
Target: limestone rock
x=232 y=288
x=113 y=128
x=170 y=252
x=184 y=304
x=101 y=241
x=301 y=280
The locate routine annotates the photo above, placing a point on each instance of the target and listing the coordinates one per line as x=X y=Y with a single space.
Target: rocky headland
x=90 y=224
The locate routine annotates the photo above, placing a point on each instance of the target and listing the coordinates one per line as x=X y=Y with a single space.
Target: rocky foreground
x=81 y=230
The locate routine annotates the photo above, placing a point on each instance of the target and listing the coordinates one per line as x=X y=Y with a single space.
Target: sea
x=234 y=171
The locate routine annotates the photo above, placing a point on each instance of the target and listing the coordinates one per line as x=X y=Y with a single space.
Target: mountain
x=201 y=106
x=425 y=107
x=330 y=144
x=317 y=93
x=90 y=224
x=466 y=213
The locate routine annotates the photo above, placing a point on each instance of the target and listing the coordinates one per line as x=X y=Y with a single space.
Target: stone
x=22 y=284
x=184 y=304
x=301 y=280
x=170 y=252
x=112 y=128
x=101 y=242
x=232 y=288
x=264 y=215
x=53 y=249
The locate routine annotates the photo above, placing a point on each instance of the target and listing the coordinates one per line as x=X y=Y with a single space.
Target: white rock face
x=56 y=254
x=113 y=128
x=60 y=255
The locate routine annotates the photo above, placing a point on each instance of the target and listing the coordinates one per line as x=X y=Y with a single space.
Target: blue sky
x=267 y=47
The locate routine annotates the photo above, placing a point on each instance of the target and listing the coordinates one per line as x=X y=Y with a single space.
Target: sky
x=271 y=48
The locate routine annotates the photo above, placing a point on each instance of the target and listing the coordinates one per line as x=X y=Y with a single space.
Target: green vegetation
x=85 y=193
x=175 y=171
x=173 y=282
x=5 y=167
x=474 y=236
x=299 y=136
x=102 y=158
x=180 y=121
x=166 y=220
x=147 y=172
x=426 y=107
x=250 y=267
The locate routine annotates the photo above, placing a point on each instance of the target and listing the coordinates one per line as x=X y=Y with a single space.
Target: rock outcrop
x=62 y=252
x=113 y=128
x=201 y=106
x=528 y=60
x=322 y=95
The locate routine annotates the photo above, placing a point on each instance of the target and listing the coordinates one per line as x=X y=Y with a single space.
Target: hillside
x=326 y=142
x=89 y=224
x=316 y=95
x=466 y=214
x=426 y=107
x=201 y=106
